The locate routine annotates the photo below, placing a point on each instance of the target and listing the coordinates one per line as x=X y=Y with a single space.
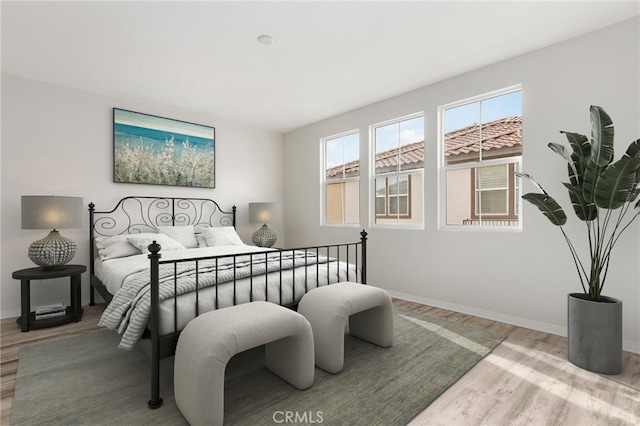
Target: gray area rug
x=86 y=380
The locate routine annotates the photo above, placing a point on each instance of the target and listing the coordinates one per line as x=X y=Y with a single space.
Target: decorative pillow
x=200 y=228
x=183 y=234
x=201 y=241
x=104 y=242
x=142 y=242
x=222 y=236
x=120 y=249
x=117 y=246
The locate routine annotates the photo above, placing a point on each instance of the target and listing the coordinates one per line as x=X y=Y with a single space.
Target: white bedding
x=127 y=278
x=112 y=272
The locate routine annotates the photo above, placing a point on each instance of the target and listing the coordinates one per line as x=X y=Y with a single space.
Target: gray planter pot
x=595 y=333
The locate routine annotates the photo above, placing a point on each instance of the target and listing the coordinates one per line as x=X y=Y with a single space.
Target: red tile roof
x=500 y=138
x=351 y=169
x=411 y=157
x=498 y=134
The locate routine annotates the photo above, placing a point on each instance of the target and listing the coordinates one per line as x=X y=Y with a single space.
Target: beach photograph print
x=160 y=151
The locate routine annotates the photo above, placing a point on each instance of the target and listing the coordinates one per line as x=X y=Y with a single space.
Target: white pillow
x=222 y=236
x=142 y=242
x=119 y=249
x=183 y=234
x=117 y=246
x=104 y=242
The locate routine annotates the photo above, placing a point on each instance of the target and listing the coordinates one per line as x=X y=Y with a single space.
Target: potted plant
x=604 y=195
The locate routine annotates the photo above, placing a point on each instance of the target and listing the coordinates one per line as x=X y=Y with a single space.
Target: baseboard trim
x=627 y=345
x=10 y=313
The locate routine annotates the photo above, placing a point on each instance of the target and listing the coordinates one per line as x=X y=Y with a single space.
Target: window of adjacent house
x=341 y=157
x=481 y=146
x=398 y=172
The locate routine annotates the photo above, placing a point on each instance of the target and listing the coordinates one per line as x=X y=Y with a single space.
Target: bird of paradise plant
x=602 y=193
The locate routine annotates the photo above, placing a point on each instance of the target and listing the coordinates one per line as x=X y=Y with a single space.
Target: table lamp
x=52 y=212
x=264 y=213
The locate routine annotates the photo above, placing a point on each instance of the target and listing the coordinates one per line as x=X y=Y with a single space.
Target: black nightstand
x=73 y=312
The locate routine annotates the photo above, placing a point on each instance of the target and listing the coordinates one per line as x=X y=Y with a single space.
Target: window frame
x=443 y=169
x=387 y=198
x=410 y=173
x=324 y=182
x=512 y=186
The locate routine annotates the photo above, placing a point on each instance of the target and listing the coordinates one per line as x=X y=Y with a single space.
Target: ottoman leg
x=292 y=359
x=199 y=386
x=374 y=325
x=328 y=339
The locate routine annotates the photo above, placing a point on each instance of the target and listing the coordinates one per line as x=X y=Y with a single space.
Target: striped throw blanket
x=129 y=311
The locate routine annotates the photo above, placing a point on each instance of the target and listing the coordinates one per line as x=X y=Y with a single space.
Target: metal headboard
x=133 y=215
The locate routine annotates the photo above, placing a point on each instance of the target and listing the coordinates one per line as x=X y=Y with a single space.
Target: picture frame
x=153 y=150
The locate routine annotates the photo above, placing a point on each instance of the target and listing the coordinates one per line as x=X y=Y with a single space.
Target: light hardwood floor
x=526 y=380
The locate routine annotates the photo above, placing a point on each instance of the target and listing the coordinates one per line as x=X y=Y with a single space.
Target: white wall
x=518 y=277
x=60 y=141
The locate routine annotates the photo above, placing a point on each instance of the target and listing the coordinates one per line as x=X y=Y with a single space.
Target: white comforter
x=128 y=312
x=113 y=272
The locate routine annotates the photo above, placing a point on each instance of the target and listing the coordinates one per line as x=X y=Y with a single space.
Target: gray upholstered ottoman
x=208 y=342
x=368 y=309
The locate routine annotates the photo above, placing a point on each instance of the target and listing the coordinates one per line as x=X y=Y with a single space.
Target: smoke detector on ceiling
x=265 y=39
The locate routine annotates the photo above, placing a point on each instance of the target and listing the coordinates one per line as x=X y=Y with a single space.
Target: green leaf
x=574 y=176
x=591 y=175
x=579 y=143
x=559 y=149
x=633 y=150
x=634 y=194
x=618 y=181
x=580 y=156
x=585 y=210
x=601 y=137
x=548 y=206
x=533 y=181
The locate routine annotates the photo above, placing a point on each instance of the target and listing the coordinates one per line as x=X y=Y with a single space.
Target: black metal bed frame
x=136 y=214
x=143 y=214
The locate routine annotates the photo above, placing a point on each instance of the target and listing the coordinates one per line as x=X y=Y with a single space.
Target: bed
x=161 y=261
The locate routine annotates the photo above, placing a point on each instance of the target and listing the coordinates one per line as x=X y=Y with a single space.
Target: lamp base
x=264 y=237
x=53 y=251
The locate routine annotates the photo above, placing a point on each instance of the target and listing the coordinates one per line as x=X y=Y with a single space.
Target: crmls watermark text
x=293 y=417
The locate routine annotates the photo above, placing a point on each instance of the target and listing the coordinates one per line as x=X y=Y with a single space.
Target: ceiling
x=327 y=57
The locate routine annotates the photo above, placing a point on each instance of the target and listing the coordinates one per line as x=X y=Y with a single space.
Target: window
x=398 y=175
x=341 y=182
x=392 y=197
x=481 y=146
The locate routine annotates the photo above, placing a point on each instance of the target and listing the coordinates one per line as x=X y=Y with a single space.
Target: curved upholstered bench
x=369 y=311
x=209 y=341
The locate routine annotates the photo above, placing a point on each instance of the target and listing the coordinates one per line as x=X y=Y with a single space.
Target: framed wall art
x=161 y=151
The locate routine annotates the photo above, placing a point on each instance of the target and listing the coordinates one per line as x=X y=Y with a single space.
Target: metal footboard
x=344 y=255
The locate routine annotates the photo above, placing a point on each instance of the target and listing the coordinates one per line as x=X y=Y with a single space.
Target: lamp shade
x=264 y=212
x=51 y=212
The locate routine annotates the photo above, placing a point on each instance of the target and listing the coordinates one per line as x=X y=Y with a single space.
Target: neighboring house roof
x=350 y=169
x=411 y=157
x=500 y=138
x=504 y=135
